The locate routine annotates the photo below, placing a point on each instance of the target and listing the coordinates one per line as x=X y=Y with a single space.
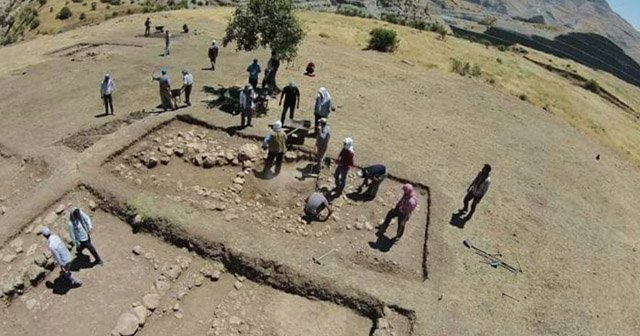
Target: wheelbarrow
x=176 y=95
x=297 y=131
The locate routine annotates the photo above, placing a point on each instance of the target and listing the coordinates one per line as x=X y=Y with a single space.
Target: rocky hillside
x=590 y=16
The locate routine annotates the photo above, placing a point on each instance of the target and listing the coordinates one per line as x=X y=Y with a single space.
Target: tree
x=267 y=24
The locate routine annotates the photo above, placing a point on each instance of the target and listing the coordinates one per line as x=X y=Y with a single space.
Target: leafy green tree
x=268 y=24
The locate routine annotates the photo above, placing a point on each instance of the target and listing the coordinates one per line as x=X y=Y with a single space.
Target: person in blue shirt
x=254 y=70
x=80 y=233
x=372 y=178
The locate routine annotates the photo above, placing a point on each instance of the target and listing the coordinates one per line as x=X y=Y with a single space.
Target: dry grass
x=514 y=76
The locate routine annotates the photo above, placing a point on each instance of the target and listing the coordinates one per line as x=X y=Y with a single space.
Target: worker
x=275 y=142
x=107 y=88
x=269 y=80
x=372 y=178
x=167 y=43
x=247 y=105
x=310 y=70
x=254 y=71
x=147 y=27
x=323 y=106
x=187 y=85
x=213 y=54
x=165 y=90
x=323 y=135
x=315 y=204
x=403 y=210
x=61 y=255
x=80 y=227
x=291 y=96
x=476 y=191
x=345 y=161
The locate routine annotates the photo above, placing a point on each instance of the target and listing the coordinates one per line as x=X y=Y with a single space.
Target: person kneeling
x=316 y=204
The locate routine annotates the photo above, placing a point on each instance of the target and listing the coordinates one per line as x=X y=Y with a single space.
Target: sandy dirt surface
x=568 y=219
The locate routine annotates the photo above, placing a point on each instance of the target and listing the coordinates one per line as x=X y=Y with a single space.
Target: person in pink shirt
x=403 y=210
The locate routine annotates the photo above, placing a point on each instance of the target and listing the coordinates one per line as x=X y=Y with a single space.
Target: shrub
x=592 y=86
x=439 y=29
x=488 y=21
x=42 y=2
x=84 y=4
x=94 y=5
x=114 y=2
x=129 y=11
x=392 y=18
x=193 y=2
x=499 y=60
x=460 y=67
x=523 y=97
x=77 y=1
x=348 y=11
x=64 y=13
x=82 y=16
x=475 y=70
x=503 y=47
x=50 y=9
x=108 y=7
x=492 y=81
x=420 y=25
x=34 y=24
x=200 y=3
x=114 y=14
x=324 y=35
x=383 y=39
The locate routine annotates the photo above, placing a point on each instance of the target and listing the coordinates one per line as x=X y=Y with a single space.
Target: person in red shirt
x=402 y=210
x=345 y=161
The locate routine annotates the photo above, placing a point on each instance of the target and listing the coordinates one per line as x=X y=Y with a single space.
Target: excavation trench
x=259 y=270
x=306 y=155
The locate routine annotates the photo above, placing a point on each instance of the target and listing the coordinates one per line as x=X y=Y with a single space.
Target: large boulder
x=141 y=313
x=249 y=152
x=151 y=301
x=127 y=324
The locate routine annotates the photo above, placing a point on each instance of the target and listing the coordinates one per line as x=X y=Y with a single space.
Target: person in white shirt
x=187 y=85
x=60 y=254
x=107 y=88
x=476 y=191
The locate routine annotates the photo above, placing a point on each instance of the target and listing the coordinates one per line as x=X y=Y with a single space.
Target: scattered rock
x=127 y=324
x=172 y=272
x=151 y=162
x=230 y=216
x=35 y=273
x=162 y=286
x=178 y=152
x=60 y=209
x=176 y=307
x=165 y=160
x=359 y=226
x=137 y=250
x=238 y=180
x=249 y=152
x=141 y=314
x=92 y=205
x=290 y=156
x=237 y=285
x=199 y=280
x=234 y=320
x=368 y=226
x=31 y=303
x=40 y=260
x=178 y=315
x=208 y=162
x=9 y=257
x=32 y=249
x=151 y=301
x=349 y=227
x=3 y=210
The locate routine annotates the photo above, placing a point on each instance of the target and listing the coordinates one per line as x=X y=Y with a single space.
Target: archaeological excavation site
x=197 y=241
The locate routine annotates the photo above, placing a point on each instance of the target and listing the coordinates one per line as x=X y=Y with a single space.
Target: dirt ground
x=567 y=219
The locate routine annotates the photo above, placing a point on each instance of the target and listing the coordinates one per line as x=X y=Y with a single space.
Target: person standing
x=372 y=177
x=254 y=71
x=403 y=210
x=269 y=80
x=476 y=190
x=107 y=88
x=165 y=90
x=247 y=105
x=167 y=43
x=346 y=160
x=276 y=143
x=80 y=233
x=60 y=254
x=213 y=54
x=147 y=27
x=323 y=106
x=291 y=96
x=323 y=135
x=187 y=85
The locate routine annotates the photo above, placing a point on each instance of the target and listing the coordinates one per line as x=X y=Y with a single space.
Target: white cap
x=45 y=231
x=277 y=125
